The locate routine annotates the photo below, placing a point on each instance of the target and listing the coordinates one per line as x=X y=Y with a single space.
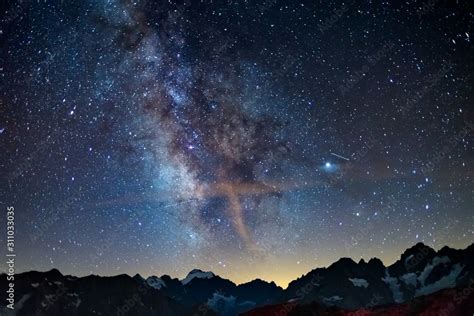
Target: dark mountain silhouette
x=448 y=302
x=422 y=280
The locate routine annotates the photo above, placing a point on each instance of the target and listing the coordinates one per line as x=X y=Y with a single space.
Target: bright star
x=329 y=167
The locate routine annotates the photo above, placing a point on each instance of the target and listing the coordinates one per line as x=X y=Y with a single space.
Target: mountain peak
x=54 y=273
x=138 y=277
x=259 y=282
x=375 y=262
x=196 y=271
x=345 y=262
x=199 y=274
x=420 y=249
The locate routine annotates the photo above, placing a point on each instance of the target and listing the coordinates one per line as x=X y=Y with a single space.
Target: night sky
x=255 y=139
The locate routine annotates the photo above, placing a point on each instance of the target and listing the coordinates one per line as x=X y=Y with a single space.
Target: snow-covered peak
x=155 y=282
x=196 y=273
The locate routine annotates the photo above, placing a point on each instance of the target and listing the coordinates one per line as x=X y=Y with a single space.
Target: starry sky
x=255 y=139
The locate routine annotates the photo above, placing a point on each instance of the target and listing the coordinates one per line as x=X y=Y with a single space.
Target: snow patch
x=217 y=298
x=35 y=284
x=359 y=282
x=394 y=287
x=197 y=274
x=76 y=296
x=155 y=282
x=448 y=281
x=409 y=279
x=426 y=272
x=227 y=305
x=332 y=299
x=18 y=306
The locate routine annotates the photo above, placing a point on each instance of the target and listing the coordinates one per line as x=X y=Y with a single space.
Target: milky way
x=254 y=139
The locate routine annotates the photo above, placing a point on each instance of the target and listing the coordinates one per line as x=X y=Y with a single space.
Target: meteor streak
x=339 y=156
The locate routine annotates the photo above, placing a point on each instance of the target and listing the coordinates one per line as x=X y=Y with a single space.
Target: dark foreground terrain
x=422 y=282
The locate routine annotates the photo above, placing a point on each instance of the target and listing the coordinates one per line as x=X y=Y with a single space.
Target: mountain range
x=422 y=281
